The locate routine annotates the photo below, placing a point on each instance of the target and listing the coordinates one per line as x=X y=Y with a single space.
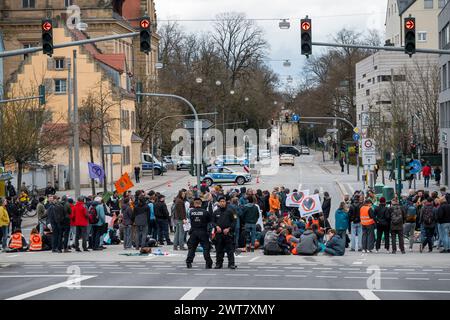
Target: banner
x=96 y=171
x=310 y=205
x=124 y=183
x=296 y=198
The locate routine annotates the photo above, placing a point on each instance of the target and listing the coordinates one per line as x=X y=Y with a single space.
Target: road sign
x=369 y=159
x=112 y=149
x=296 y=118
x=368 y=146
x=356 y=130
x=356 y=137
x=416 y=167
x=189 y=124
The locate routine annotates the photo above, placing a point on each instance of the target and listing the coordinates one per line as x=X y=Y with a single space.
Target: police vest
x=35 y=242
x=16 y=241
x=366 y=220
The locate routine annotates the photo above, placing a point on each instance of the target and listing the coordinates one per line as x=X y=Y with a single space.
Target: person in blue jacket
x=335 y=245
x=342 y=220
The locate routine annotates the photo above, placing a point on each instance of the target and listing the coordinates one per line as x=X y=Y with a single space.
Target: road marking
x=444 y=279
x=267 y=275
x=357 y=262
x=442 y=274
x=237 y=274
x=350 y=269
x=205 y=274
x=416 y=273
x=148 y=272
x=432 y=270
x=192 y=294
x=179 y=273
x=36 y=276
x=331 y=277
x=322 y=268
x=13 y=256
x=424 y=279
x=326 y=271
x=368 y=295
x=355 y=277
x=51 y=288
x=267 y=268
x=296 y=276
x=387 y=278
x=254 y=259
x=120 y=272
x=351 y=188
x=404 y=270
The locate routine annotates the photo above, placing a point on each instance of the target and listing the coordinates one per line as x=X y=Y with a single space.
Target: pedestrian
x=180 y=220
x=356 y=228
x=326 y=208
x=113 y=203
x=224 y=222
x=443 y=219
x=137 y=174
x=99 y=227
x=335 y=245
x=367 y=217
x=35 y=240
x=199 y=219
x=4 y=223
x=42 y=215
x=428 y=221
x=250 y=217
x=342 y=160
x=397 y=217
x=274 y=203
x=17 y=242
x=65 y=223
x=152 y=227
x=409 y=227
x=437 y=175
x=162 y=220
x=309 y=243
x=382 y=225
x=127 y=222
x=10 y=190
x=15 y=213
x=342 y=220
x=50 y=190
x=55 y=214
x=426 y=173
x=80 y=220
x=141 y=215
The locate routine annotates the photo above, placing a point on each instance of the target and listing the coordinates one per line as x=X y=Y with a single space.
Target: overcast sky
x=329 y=16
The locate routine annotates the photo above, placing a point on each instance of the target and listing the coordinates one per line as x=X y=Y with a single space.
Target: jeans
x=127 y=243
x=445 y=227
x=56 y=237
x=356 y=234
x=426 y=181
x=163 y=230
x=153 y=229
x=141 y=238
x=4 y=230
x=42 y=225
x=81 y=232
x=251 y=229
x=179 y=234
x=368 y=237
x=73 y=231
x=408 y=229
x=237 y=231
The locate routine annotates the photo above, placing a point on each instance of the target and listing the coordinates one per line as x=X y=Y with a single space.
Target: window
x=399 y=77
x=368 y=92
x=59 y=63
x=126 y=156
x=26 y=46
x=133 y=120
x=386 y=78
x=125 y=119
x=442 y=3
x=60 y=85
x=375 y=67
x=28 y=3
x=428 y=4
x=68 y=3
x=444 y=77
x=422 y=36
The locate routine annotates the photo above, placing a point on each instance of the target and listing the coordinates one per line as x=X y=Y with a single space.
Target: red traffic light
x=410 y=24
x=145 y=23
x=306 y=26
x=47 y=26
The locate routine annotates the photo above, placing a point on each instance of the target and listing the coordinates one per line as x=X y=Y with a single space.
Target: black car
x=289 y=150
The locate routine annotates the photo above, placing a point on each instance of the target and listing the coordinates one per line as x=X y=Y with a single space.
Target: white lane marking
x=205 y=274
x=357 y=262
x=442 y=273
x=254 y=259
x=350 y=269
x=33 y=265
x=352 y=191
x=386 y=278
x=36 y=276
x=368 y=295
x=444 y=279
x=192 y=294
x=331 y=277
x=424 y=279
x=148 y=272
x=120 y=272
x=179 y=273
x=432 y=270
x=149 y=258
x=326 y=271
x=13 y=256
x=267 y=268
x=294 y=268
x=404 y=270
x=50 y=288
x=295 y=276
x=355 y=277
x=322 y=268
x=9 y=272
x=267 y=275
x=237 y=274
x=108 y=265
x=416 y=273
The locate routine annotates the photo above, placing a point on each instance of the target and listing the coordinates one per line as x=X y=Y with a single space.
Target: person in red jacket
x=79 y=219
x=426 y=172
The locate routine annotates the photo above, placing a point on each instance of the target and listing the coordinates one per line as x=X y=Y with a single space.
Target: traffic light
x=41 y=95
x=305 y=25
x=146 y=34
x=138 y=91
x=410 y=36
x=47 y=36
x=408 y=168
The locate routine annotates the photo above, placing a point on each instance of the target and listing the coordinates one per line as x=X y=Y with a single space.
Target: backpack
x=93 y=216
x=397 y=216
x=411 y=213
x=427 y=215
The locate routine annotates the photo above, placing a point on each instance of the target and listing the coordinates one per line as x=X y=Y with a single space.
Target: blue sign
x=296 y=118
x=246 y=162
x=416 y=166
x=96 y=171
x=356 y=137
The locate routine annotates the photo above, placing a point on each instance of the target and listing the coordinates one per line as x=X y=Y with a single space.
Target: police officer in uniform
x=224 y=220
x=199 y=234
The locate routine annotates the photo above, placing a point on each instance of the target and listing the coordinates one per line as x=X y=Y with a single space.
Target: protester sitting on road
x=309 y=244
x=35 y=240
x=335 y=245
x=17 y=242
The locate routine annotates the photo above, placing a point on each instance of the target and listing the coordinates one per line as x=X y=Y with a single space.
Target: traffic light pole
x=21 y=99
x=381 y=48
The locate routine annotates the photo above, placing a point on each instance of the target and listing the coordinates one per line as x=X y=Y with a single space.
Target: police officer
x=224 y=220
x=199 y=234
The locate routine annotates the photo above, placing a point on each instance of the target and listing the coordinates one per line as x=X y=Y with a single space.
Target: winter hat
x=98 y=199
x=383 y=200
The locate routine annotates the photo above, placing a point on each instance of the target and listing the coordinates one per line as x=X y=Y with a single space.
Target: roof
x=136 y=138
x=116 y=61
x=131 y=10
x=404 y=5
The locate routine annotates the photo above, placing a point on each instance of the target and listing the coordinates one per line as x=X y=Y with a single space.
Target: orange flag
x=124 y=183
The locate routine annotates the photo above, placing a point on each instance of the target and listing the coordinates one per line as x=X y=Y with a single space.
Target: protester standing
x=367 y=217
x=80 y=221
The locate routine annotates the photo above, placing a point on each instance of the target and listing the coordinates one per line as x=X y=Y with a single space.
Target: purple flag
x=96 y=171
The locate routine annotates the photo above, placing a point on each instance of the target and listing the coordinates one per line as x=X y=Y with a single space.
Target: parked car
x=184 y=163
x=287 y=159
x=305 y=150
x=226 y=160
x=168 y=160
x=285 y=149
x=148 y=164
x=225 y=175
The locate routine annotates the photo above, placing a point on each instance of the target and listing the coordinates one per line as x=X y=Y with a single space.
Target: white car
x=287 y=159
x=229 y=160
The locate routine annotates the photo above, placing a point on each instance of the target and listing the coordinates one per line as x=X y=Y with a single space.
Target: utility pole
x=70 y=122
x=76 y=129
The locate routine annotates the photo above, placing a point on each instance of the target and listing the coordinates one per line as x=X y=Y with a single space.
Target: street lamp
x=286 y=64
x=199 y=80
x=232 y=92
x=218 y=83
x=284 y=24
x=246 y=99
x=275 y=103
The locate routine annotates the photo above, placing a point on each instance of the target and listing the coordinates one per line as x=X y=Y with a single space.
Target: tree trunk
x=19 y=176
x=91 y=153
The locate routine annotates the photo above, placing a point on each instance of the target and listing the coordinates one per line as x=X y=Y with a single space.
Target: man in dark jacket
x=250 y=217
x=127 y=222
x=162 y=220
x=180 y=220
x=199 y=234
x=141 y=215
x=383 y=224
x=308 y=244
x=428 y=222
x=55 y=214
x=15 y=215
x=356 y=228
x=65 y=224
x=443 y=219
x=397 y=217
x=335 y=246
x=50 y=191
x=224 y=221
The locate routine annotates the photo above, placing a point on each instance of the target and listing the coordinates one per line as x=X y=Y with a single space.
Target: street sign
x=356 y=130
x=368 y=146
x=112 y=149
x=189 y=124
x=296 y=118
x=416 y=167
x=356 y=137
x=369 y=159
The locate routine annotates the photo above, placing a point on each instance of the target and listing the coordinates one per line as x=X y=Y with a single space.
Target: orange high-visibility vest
x=16 y=241
x=366 y=220
x=35 y=242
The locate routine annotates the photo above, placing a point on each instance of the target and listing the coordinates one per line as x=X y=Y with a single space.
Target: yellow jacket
x=4 y=217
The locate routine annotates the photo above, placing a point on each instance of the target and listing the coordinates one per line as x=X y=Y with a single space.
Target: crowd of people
x=234 y=221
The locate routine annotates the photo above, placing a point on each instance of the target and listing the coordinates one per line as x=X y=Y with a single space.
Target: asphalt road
x=111 y=275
